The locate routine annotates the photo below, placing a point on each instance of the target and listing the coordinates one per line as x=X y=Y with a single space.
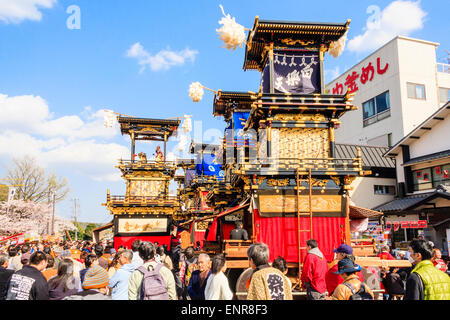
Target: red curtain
x=281 y=235
x=127 y=241
x=227 y=227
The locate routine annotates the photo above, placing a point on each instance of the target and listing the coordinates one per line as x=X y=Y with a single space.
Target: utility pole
x=53 y=213
x=75 y=212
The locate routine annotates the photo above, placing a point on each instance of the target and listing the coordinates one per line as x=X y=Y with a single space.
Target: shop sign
x=365 y=75
x=395 y=225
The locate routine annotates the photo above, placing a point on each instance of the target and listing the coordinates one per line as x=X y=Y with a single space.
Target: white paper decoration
x=187 y=124
x=196 y=91
x=183 y=143
x=109 y=118
x=232 y=33
x=337 y=47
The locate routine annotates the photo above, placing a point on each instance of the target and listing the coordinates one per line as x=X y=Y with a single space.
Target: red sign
x=366 y=75
x=395 y=225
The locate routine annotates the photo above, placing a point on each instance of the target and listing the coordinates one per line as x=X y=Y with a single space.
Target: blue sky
x=55 y=81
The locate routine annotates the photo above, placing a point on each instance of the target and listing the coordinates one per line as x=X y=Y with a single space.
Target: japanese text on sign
x=366 y=75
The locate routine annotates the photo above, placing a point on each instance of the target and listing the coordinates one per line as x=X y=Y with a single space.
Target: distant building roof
x=420 y=130
x=428 y=157
x=415 y=200
x=372 y=155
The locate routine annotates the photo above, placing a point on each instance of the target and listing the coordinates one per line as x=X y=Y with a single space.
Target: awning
x=429 y=157
x=106 y=226
x=232 y=210
x=212 y=234
x=362 y=213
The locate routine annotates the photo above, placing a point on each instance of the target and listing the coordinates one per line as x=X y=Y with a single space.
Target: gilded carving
x=300 y=143
x=290 y=41
x=278 y=182
x=288 y=203
x=299 y=117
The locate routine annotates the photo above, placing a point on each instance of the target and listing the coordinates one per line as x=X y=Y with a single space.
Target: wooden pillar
x=322 y=50
x=132 y=145
x=347 y=219
x=165 y=145
x=332 y=141
x=272 y=90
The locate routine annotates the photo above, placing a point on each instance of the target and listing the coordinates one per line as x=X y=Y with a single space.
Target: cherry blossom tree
x=29 y=217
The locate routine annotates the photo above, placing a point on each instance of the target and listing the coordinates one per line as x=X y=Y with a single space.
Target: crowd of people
x=83 y=270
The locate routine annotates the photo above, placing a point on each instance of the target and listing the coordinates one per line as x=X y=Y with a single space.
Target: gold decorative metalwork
x=298 y=143
x=278 y=182
x=291 y=42
x=299 y=117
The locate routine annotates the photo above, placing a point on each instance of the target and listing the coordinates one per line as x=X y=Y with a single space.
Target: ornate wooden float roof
x=148 y=129
x=288 y=34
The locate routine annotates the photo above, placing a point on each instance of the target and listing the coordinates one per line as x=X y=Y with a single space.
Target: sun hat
x=347 y=266
x=344 y=248
x=96 y=277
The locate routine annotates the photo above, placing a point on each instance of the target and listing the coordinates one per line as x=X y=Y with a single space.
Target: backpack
x=153 y=285
x=362 y=294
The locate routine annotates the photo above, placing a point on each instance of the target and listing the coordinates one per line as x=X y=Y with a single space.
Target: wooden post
x=310 y=206
x=347 y=220
x=132 y=146
x=322 y=50
x=298 y=231
x=332 y=141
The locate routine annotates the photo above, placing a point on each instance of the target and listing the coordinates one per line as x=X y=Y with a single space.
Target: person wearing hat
x=95 y=285
x=347 y=269
x=332 y=279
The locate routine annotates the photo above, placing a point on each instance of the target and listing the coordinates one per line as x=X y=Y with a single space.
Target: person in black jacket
x=393 y=283
x=5 y=275
x=239 y=233
x=29 y=283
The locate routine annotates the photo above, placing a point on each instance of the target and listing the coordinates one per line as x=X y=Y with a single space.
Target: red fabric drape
x=212 y=233
x=227 y=227
x=281 y=235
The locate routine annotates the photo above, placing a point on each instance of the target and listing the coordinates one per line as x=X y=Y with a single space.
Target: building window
x=377 y=189
x=376 y=109
x=416 y=91
x=429 y=178
x=444 y=95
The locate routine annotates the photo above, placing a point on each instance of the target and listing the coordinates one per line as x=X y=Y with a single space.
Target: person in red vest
x=314 y=271
x=332 y=279
x=384 y=254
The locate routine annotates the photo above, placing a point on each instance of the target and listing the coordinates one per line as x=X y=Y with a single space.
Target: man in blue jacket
x=197 y=283
x=119 y=281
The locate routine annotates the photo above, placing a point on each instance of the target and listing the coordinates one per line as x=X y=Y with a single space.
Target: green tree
x=80 y=232
x=88 y=231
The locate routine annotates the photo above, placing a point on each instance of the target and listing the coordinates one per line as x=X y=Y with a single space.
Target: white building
x=422 y=160
x=396 y=88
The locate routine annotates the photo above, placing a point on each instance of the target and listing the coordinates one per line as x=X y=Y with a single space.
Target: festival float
x=279 y=153
x=147 y=210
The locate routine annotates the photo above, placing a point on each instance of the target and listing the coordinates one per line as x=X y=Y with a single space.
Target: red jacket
x=314 y=271
x=385 y=256
x=333 y=280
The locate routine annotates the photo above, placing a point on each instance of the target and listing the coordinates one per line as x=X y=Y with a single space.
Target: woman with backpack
x=151 y=281
x=352 y=288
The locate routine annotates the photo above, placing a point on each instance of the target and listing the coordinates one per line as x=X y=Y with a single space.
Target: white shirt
x=217 y=288
x=137 y=260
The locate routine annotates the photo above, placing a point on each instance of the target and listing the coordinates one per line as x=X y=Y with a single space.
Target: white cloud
x=40 y=121
x=15 y=11
x=398 y=18
x=163 y=60
x=27 y=127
